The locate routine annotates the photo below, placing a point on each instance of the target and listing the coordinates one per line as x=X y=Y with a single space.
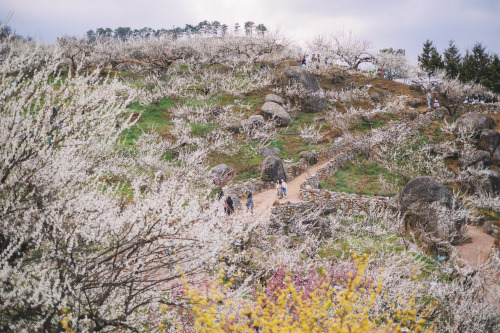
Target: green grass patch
x=245 y=162
x=153 y=116
x=362 y=177
x=201 y=129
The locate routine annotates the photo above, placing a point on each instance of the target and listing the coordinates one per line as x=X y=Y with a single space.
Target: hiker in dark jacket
x=229 y=206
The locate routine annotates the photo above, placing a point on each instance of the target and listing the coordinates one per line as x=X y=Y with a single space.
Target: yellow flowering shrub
x=326 y=305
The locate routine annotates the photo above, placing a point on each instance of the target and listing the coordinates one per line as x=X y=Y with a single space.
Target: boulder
x=310 y=158
x=267 y=151
x=277 y=113
x=272 y=168
x=415 y=102
x=478 y=159
x=427 y=206
x=488 y=181
x=496 y=155
x=255 y=121
x=221 y=174
x=376 y=98
x=313 y=98
x=489 y=140
x=233 y=127
x=474 y=123
x=275 y=99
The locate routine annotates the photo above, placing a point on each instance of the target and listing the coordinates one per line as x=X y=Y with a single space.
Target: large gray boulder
x=496 y=155
x=477 y=159
x=268 y=151
x=312 y=98
x=254 y=122
x=277 y=113
x=310 y=158
x=221 y=174
x=428 y=207
x=489 y=140
x=474 y=123
x=488 y=181
x=272 y=169
x=275 y=99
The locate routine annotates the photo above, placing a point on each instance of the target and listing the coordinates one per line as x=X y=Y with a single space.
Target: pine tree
x=430 y=59
x=475 y=65
x=452 y=60
x=493 y=81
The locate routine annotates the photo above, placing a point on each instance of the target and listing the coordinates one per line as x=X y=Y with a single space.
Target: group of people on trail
x=226 y=206
x=281 y=187
x=429 y=101
x=307 y=62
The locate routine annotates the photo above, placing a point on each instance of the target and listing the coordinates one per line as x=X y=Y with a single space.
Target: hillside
x=118 y=163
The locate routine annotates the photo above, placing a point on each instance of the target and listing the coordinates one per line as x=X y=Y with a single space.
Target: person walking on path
x=436 y=103
x=229 y=206
x=304 y=61
x=429 y=99
x=299 y=61
x=250 y=202
x=278 y=189
x=283 y=188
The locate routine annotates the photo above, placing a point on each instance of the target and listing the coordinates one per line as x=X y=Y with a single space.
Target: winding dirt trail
x=263 y=201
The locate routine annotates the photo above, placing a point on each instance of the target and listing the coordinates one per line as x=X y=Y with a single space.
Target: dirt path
x=476 y=252
x=263 y=201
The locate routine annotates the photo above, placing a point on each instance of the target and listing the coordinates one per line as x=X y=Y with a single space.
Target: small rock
x=275 y=99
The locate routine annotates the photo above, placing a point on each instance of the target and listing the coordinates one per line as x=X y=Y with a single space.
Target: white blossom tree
x=344 y=46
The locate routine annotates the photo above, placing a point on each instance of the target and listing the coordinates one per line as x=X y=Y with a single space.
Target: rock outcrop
x=254 y=122
x=268 y=151
x=309 y=157
x=428 y=207
x=275 y=99
x=221 y=174
x=312 y=98
x=277 y=113
x=272 y=169
x=474 y=123
x=489 y=140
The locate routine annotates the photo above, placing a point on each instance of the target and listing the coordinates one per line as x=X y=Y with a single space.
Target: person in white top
x=278 y=189
x=283 y=188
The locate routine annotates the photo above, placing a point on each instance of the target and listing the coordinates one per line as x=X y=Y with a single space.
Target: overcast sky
x=402 y=24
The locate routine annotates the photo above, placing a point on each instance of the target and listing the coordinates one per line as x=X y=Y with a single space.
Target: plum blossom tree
x=394 y=63
x=91 y=232
x=344 y=46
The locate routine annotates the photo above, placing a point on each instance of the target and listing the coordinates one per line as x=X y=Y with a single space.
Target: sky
x=404 y=24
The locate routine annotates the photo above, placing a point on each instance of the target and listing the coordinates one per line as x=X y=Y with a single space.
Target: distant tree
x=452 y=59
x=475 y=65
x=236 y=28
x=122 y=32
x=215 y=27
x=430 y=59
x=91 y=35
x=104 y=32
x=189 y=29
x=493 y=81
x=5 y=30
x=261 y=29
x=249 y=28
x=224 y=28
x=203 y=27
